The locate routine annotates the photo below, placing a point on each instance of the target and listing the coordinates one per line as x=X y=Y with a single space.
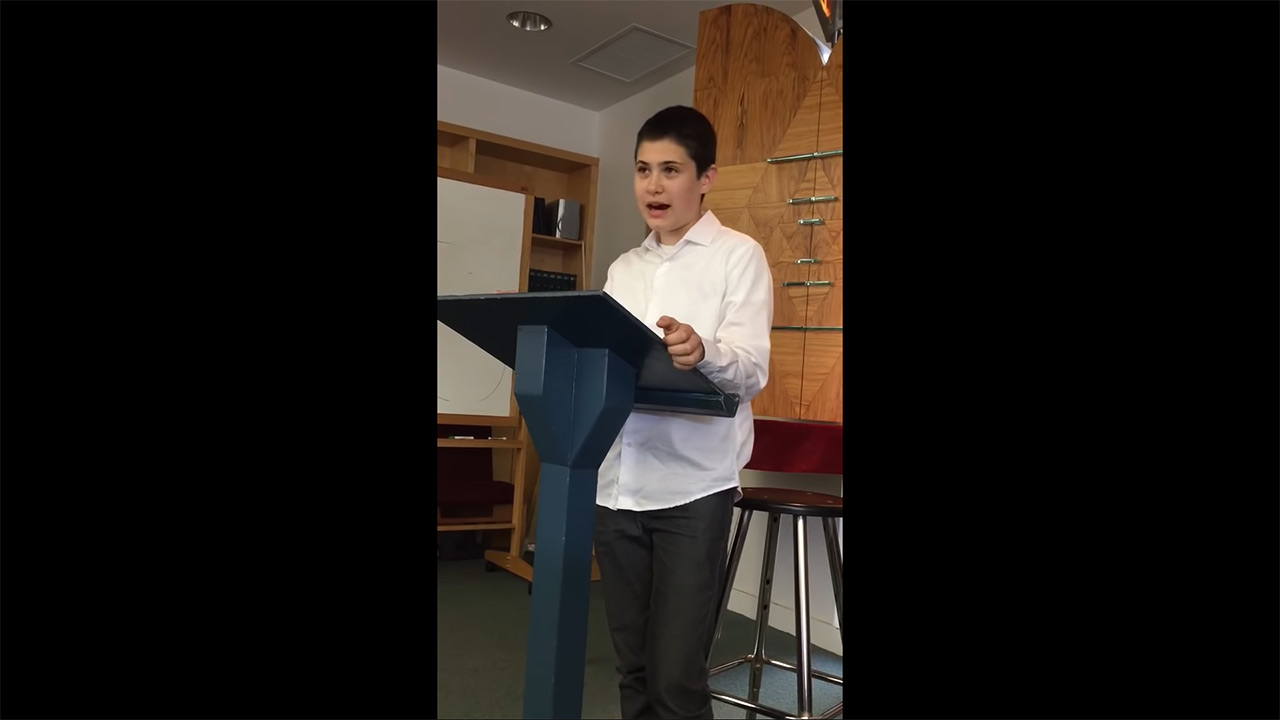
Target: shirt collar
x=702 y=232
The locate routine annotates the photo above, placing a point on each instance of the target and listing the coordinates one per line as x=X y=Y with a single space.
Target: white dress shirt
x=716 y=280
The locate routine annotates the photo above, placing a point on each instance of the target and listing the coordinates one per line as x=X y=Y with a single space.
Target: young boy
x=667 y=487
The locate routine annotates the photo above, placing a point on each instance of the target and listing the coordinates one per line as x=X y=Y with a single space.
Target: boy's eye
x=671 y=171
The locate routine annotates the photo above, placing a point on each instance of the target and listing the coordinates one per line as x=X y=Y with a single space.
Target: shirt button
x=630 y=445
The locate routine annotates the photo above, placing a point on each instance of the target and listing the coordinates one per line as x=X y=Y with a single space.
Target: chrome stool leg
x=837 y=569
x=804 y=665
x=762 y=612
x=735 y=555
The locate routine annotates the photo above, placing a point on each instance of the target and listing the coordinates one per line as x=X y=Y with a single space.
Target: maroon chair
x=466 y=492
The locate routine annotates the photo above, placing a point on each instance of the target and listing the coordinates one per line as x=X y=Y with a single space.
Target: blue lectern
x=582 y=363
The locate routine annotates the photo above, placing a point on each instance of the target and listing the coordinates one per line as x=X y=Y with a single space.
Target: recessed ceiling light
x=530 y=21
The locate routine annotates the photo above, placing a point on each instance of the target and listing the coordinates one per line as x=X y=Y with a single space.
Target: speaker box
x=567 y=215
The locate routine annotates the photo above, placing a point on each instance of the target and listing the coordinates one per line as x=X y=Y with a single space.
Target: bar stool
x=800 y=506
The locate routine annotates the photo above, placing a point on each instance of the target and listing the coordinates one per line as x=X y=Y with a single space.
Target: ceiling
x=474 y=37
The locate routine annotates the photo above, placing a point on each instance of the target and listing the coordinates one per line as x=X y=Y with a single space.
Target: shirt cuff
x=712 y=358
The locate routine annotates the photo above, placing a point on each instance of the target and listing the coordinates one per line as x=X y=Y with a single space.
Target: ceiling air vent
x=632 y=53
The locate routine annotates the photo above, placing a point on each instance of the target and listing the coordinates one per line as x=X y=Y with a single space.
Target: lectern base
x=582 y=363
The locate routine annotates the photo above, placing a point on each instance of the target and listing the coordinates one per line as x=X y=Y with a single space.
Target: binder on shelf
x=544 y=222
x=566 y=218
x=547 y=281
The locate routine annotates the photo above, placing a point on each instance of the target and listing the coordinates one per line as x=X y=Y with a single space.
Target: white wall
x=482 y=104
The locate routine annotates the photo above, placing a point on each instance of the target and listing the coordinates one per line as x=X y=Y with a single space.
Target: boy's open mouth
x=657 y=207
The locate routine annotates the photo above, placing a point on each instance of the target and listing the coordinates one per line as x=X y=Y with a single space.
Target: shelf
x=455 y=151
x=531 y=154
x=475 y=526
x=449 y=139
x=555 y=243
x=478 y=443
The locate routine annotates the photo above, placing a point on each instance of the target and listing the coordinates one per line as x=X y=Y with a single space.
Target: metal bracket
x=805 y=156
x=814 y=199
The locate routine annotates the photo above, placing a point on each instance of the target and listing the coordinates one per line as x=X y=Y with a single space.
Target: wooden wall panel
x=830 y=126
x=801 y=132
x=822 y=387
x=754 y=69
x=734 y=187
x=781 y=396
x=761 y=81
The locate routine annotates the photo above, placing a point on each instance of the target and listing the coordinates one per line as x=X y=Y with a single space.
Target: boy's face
x=668 y=188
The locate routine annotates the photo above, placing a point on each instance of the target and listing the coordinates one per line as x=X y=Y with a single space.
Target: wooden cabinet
x=778 y=113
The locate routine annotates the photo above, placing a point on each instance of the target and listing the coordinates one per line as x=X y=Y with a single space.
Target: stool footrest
x=728 y=666
x=772 y=711
x=833 y=679
x=820 y=675
x=765 y=709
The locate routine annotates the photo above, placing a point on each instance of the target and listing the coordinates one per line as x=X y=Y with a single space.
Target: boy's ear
x=708 y=179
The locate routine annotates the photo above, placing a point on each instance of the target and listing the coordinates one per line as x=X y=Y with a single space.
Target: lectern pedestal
x=582 y=363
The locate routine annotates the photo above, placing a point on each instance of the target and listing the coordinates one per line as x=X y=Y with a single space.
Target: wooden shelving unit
x=552 y=174
x=547 y=172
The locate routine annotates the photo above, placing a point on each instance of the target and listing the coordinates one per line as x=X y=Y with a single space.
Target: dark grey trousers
x=663 y=572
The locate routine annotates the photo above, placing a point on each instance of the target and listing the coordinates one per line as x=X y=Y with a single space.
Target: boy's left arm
x=737 y=358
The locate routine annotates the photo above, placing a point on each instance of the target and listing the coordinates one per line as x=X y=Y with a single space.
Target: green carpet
x=483 y=622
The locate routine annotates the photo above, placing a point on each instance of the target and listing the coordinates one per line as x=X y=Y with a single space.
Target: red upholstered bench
x=798 y=447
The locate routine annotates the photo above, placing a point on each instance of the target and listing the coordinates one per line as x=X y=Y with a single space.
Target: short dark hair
x=686 y=127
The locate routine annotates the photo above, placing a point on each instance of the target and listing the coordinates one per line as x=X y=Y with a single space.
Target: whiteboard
x=479 y=237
